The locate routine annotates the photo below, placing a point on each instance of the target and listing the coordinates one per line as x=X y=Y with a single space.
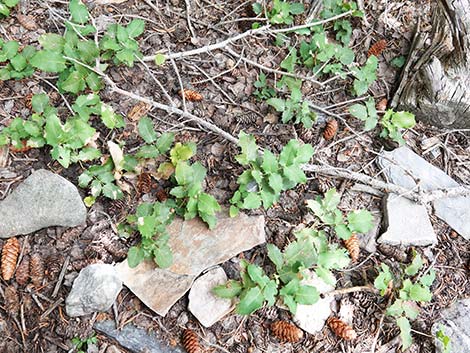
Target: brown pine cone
x=191 y=95
x=382 y=105
x=341 y=329
x=10 y=252
x=36 y=270
x=352 y=244
x=53 y=264
x=330 y=129
x=22 y=272
x=377 y=48
x=27 y=22
x=191 y=342
x=286 y=332
x=145 y=183
x=12 y=301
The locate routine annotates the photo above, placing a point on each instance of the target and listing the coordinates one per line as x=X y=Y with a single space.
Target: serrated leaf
x=163 y=256
x=360 y=221
x=419 y=293
x=164 y=142
x=78 y=11
x=405 y=332
x=269 y=164
x=234 y=211
x=428 y=279
x=307 y=295
x=415 y=265
x=39 y=102
x=52 y=42
x=403 y=120
x=109 y=118
x=148 y=151
x=359 y=111
x=112 y=191
x=135 y=28
x=135 y=256
x=249 y=148
x=146 y=130
x=326 y=275
x=180 y=153
x=251 y=301
x=228 y=290
x=160 y=59
x=277 y=103
x=252 y=201
x=48 y=61
x=275 y=256
x=207 y=204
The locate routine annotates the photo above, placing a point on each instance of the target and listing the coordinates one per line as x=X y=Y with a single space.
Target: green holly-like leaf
x=249 y=149
x=229 y=290
x=135 y=28
x=251 y=301
x=207 y=204
x=180 y=153
x=146 y=130
x=405 y=332
x=252 y=201
x=40 y=102
x=403 y=120
x=164 y=142
x=135 y=256
x=383 y=279
x=160 y=59
x=78 y=11
x=163 y=256
x=110 y=118
x=360 y=221
x=48 y=61
x=275 y=256
x=415 y=265
x=307 y=295
x=428 y=279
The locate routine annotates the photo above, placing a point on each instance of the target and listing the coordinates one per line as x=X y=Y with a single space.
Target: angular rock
x=95 y=289
x=195 y=248
x=135 y=339
x=407 y=223
x=401 y=162
x=311 y=318
x=203 y=304
x=456 y=324
x=44 y=199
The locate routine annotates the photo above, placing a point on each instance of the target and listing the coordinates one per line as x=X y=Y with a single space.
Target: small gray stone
x=311 y=318
x=407 y=223
x=401 y=162
x=135 y=339
x=95 y=289
x=44 y=199
x=456 y=324
x=203 y=304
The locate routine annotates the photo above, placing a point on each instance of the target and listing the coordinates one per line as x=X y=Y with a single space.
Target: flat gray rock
x=407 y=223
x=203 y=304
x=195 y=248
x=95 y=289
x=42 y=200
x=135 y=339
x=311 y=318
x=456 y=324
x=399 y=163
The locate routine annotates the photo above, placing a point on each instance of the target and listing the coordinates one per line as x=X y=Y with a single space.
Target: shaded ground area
x=226 y=83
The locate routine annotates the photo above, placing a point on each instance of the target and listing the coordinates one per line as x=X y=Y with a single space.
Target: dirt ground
x=228 y=103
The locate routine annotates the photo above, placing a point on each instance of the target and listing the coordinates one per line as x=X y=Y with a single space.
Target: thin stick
x=61 y=277
x=188 y=18
x=51 y=308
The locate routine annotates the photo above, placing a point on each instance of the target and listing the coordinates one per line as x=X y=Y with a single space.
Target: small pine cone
x=306 y=135
x=161 y=194
x=145 y=183
x=12 y=301
x=341 y=329
x=377 y=48
x=28 y=101
x=286 y=331
x=330 y=129
x=53 y=264
x=138 y=111
x=382 y=105
x=27 y=22
x=191 y=342
x=36 y=270
x=22 y=272
x=324 y=184
x=10 y=252
x=191 y=95
x=352 y=244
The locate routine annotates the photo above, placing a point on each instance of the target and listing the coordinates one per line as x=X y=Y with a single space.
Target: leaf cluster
x=326 y=209
x=409 y=292
x=263 y=91
x=18 y=64
x=281 y=12
x=342 y=27
x=393 y=122
x=81 y=345
x=365 y=76
x=5 y=7
x=268 y=175
x=255 y=289
x=151 y=221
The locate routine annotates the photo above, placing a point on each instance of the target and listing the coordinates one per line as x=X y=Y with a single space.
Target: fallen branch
x=262 y=30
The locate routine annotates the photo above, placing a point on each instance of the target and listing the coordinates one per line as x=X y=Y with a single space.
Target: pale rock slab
x=311 y=318
x=456 y=324
x=407 y=223
x=203 y=304
x=195 y=248
x=44 y=199
x=399 y=163
x=95 y=289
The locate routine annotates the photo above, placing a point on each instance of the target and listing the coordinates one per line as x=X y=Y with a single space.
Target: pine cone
x=341 y=329
x=22 y=272
x=10 y=252
x=138 y=111
x=27 y=22
x=325 y=184
x=191 y=342
x=330 y=129
x=382 y=105
x=191 y=95
x=352 y=244
x=12 y=301
x=286 y=331
x=145 y=183
x=54 y=264
x=161 y=194
x=377 y=48
x=36 y=270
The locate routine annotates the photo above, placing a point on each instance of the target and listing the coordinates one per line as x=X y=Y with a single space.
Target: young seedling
x=393 y=122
